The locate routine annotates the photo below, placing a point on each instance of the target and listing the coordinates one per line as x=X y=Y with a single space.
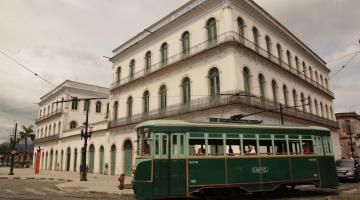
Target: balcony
x=52 y=114
x=219 y=101
x=221 y=39
x=46 y=139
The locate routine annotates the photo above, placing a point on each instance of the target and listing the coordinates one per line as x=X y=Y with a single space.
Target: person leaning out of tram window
x=251 y=149
x=201 y=151
x=231 y=151
x=306 y=149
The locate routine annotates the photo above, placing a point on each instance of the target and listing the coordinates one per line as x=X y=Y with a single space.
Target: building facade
x=59 y=122
x=349 y=133
x=217 y=59
x=208 y=59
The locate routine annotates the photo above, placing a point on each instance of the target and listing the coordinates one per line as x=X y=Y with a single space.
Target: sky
x=67 y=39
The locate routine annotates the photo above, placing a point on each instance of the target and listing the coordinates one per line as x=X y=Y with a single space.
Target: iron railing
x=221 y=39
x=53 y=113
x=217 y=101
x=46 y=139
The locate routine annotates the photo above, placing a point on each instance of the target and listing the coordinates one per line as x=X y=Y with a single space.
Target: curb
x=34 y=178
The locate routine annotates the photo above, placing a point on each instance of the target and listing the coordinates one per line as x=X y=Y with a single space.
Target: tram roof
x=181 y=123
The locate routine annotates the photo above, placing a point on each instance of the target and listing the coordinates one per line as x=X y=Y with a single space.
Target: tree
x=27 y=132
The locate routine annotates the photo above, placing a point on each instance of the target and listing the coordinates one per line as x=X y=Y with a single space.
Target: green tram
x=182 y=159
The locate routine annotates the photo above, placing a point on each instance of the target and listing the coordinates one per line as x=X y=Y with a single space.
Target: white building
x=58 y=125
x=191 y=64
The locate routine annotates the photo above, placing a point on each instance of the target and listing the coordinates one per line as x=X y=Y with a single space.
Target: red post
x=37 y=161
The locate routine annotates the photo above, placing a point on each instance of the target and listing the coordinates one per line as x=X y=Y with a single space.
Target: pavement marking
x=53 y=190
x=34 y=191
x=10 y=191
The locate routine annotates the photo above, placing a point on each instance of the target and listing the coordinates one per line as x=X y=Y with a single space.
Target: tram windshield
x=144 y=143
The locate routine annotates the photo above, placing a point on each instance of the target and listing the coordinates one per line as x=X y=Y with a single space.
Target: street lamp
x=13 y=140
x=86 y=131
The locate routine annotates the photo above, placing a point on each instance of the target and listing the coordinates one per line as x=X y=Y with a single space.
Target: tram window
x=308 y=147
x=197 y=147
x=174 y=145
x=215 y=147
x=164 y=145
x=280 y=147
x=233 y=147
x=294 y=147
x=265 y=147
x=146 y=147
x=182 y=146
x=157 y=145
x=250 y=147
x=138 y=145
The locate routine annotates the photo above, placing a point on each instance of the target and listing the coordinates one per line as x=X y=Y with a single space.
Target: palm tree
x=25 y=134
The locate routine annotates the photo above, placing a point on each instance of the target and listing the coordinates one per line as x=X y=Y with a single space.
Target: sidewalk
x=95 y=183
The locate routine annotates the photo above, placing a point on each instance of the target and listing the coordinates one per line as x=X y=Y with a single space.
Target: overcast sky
x=67 y=39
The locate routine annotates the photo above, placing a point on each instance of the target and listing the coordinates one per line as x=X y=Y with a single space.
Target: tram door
x=169 y=165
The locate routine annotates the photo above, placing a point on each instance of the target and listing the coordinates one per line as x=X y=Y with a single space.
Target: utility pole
x=348 y=130
x=13 y=142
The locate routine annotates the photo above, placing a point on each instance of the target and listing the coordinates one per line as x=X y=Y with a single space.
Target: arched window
x=288 y=54
x=321 y=80
x=268 y=46
x=107 y=110
x=59 y=128
x=118 y=74
x=304 y=68
x=316 y=107
x=211 y=29
x=42 y=132
x=285 y=92
x=327 y=111
x=49 y=130
x=214 y=81
x=49 y=109
x=163 y=95
x=246 y=76
x=98 y=107
x=185 y=39
x=54 y=129
x=115 y=110
x=322 y=109
x=295 y=98
x=74 y=103
x=279 y=51
x=256 y=38
x=241 y=28
x=73 y=124
x=129 y=106
x=86 y=105
x=316 y=76
x=311 y=73
x=45 y=133
x=262 y=87
x=326 y=83
x=164 y=53
x=297 y=64
x=148 y=60
x=146 y=102
x=274 y=91
x=185 y=84
x=310 y=105
x=44 y=111
x=331 y=113
x=132 y=69
x=303 y=102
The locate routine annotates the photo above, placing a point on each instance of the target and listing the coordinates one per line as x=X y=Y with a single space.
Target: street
x=39 y=189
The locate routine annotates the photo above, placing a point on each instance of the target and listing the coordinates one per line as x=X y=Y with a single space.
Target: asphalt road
x=38 y=189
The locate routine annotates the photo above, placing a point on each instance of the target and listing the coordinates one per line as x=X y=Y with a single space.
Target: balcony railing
x=212 y=102
x=221 y=39
x=46 y=139
x=55 y=112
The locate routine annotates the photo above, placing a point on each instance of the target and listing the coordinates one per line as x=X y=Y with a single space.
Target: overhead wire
x=342 y=67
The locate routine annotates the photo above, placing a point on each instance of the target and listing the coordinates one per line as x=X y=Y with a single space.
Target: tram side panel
x=240 y=171
x=328 y=174
x=274 y=171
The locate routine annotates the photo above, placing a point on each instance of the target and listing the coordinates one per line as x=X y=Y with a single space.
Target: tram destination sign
x=260 y=170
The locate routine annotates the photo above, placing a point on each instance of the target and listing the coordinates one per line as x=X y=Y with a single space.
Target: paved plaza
x=70 y=181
